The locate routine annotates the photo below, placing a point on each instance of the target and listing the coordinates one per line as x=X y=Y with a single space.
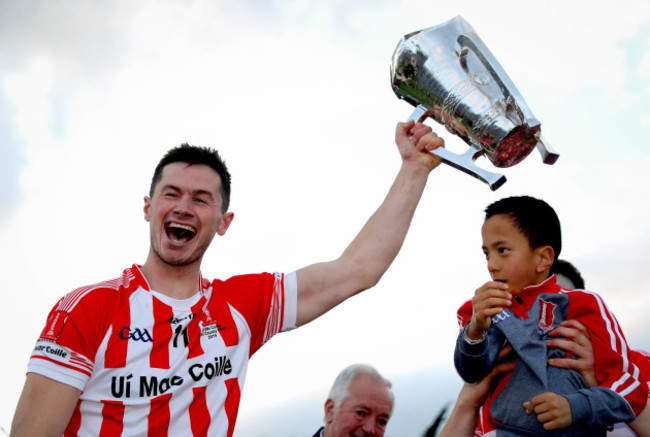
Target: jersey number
x=180 y=329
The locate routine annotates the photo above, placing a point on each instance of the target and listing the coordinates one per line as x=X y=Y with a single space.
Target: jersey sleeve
x=473 y=361
x=615 y=368
x=290 y=302
x=66 y=348
x=267 y=301
x=60 y=363
x=599 y=407
x=464 y=314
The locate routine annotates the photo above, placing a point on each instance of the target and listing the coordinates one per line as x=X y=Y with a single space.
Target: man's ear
x=147 y=206
x=546 y=256
x=329 y=411
x=226 y=220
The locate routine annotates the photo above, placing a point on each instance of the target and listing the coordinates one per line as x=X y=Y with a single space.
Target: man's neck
x=178 y=282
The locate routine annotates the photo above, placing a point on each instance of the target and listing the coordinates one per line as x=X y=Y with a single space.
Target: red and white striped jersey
x=149 y=365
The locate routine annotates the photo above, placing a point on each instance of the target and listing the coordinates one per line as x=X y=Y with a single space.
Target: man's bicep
x=44 y=408
x=321 y=287
x=311 y=285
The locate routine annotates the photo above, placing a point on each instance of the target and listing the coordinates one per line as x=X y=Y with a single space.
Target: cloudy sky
x=297 y=97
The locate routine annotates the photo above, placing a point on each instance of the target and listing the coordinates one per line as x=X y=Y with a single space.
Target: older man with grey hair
x=359 y=404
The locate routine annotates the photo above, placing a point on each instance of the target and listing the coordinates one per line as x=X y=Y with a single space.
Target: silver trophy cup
x=448 y=74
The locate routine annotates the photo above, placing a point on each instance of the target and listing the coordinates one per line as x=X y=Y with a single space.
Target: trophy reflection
x=449 y=74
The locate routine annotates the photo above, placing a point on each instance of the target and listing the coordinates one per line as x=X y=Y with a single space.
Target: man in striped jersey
x=161 y=350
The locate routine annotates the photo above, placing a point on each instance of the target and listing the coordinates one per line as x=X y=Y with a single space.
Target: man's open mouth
x=179 y=232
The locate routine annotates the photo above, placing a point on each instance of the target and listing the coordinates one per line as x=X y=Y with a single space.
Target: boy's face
x=510 y=258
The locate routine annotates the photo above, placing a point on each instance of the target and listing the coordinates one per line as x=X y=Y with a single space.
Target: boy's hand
x=553 y=411
x=488 y=301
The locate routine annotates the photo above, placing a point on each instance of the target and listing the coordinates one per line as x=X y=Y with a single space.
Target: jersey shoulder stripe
x=70 y=300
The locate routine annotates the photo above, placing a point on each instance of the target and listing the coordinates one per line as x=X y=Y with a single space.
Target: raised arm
x=44 y=408
x=322 y=286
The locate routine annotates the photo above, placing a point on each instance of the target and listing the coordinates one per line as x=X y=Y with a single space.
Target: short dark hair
x=534 y=218
x=571 y=272
x=196 y=155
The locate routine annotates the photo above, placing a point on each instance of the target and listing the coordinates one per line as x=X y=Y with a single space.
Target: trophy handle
x=464 y=162
x=508 y=88
x=549 y=156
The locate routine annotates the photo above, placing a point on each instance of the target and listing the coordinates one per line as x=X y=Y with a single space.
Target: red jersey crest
x=546 y=315
x=54 y=326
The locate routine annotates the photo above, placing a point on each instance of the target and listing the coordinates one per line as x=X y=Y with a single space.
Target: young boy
x=521 y=241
